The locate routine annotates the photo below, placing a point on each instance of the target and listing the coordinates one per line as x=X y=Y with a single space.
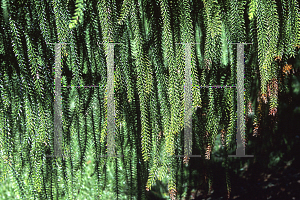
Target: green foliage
x=149 y=89
x=78 y=14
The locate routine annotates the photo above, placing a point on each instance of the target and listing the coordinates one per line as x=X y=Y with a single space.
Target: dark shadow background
x=273 y=173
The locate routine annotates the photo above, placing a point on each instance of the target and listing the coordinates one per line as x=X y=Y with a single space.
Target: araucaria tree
x=149 y=71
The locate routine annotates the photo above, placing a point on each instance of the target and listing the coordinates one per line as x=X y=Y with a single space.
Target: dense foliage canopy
x=149 y=87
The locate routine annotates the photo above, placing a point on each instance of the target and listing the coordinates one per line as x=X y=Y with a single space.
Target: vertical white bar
x=57 y=104
x=110 y=102
x=240 y=99
x=188 y=102
x=240 y=150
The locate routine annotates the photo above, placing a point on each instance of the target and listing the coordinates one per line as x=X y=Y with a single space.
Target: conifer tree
x=149 y=70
